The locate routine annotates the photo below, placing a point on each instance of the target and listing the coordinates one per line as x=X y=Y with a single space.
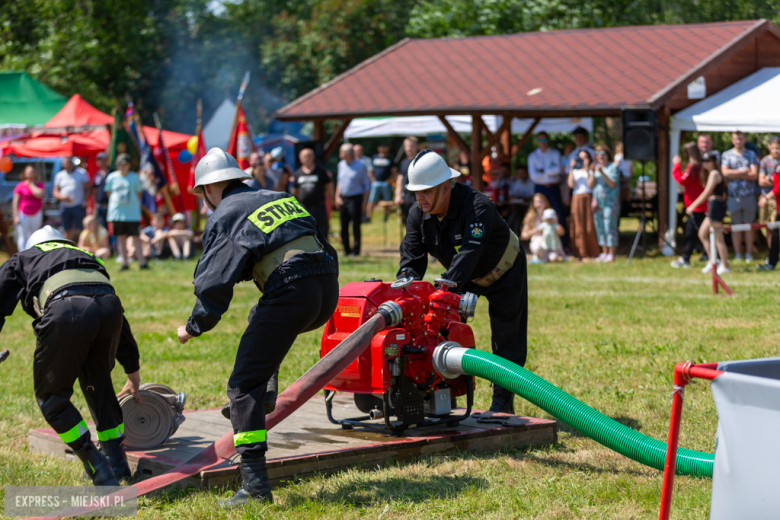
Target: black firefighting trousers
x=77 y=338
x=508 y=309
x=274 y=324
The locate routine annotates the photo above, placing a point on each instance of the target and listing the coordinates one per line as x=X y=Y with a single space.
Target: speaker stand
x=642 y=221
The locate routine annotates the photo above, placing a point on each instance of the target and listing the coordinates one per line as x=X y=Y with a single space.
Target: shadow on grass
x=395 y=489
x=581 y=466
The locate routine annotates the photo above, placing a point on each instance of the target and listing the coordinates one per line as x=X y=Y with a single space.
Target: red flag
x=241 y=144
x=196 y=157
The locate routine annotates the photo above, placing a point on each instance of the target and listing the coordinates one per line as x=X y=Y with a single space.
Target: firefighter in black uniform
x=269 y=237
x=463 y=230
x=81 y=329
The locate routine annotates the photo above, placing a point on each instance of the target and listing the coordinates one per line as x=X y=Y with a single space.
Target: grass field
x=607 y=334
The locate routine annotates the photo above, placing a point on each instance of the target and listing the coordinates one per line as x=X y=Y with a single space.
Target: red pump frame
x=683 y=373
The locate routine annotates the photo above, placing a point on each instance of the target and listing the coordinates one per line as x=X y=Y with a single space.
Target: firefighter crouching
x=463 y=230
x=269 y=237
x=81 y=329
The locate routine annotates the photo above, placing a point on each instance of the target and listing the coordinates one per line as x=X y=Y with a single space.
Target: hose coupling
x=447 y=359
x=392 y=313
x=467 y=305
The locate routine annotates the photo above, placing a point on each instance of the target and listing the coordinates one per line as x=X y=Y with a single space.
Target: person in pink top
x=28 y=206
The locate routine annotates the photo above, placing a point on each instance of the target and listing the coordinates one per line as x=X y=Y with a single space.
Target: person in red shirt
x=690 y=179
x=774 y=250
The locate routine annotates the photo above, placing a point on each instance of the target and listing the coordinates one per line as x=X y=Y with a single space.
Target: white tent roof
x=425 y=125
x=217 y=131
x=751 y=105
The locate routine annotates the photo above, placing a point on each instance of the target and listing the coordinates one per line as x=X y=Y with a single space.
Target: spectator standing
x=583 y=232
x=691 y=181
x=715 y=193
x=352 y=188
x=283 y=172
x=580 y=143
x=28 y=206
x=606 y=194
x=767 y=207
x=381 y=190
x=404 y=197
x=71 y=188
x=270 y=173
x=774 y=249
x=626 y=169
x=545 y=167
x=124 y=209
x=99 y=197
x=704 y=143
x=740 y=168
x=260 y=180
x=313 y=187
x=360 y=155
x=94 y=238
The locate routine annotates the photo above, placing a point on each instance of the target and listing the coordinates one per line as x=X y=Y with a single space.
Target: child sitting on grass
x=551 y=249
x=180 y=238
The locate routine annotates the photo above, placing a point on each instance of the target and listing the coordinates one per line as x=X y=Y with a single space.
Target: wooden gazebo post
x=476 y=152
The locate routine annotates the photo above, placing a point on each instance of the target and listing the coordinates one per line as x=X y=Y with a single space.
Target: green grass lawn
x=607 y=334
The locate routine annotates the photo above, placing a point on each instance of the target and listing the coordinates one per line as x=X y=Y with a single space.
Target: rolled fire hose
x=334 y=362
x=150 y=423
x=451 y=360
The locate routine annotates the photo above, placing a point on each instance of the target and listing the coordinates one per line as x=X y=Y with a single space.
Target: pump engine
x=394 y=376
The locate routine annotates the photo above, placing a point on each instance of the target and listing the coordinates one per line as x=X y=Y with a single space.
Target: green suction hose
x=451 y=360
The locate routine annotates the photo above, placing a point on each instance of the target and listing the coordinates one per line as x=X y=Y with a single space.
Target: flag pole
x=241 y=90
x=174 y=186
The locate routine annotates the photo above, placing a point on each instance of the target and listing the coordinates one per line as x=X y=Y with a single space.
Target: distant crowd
x=114 y=222
x=737 y=183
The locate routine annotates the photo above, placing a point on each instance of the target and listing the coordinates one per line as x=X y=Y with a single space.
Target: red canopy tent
x=65 y=139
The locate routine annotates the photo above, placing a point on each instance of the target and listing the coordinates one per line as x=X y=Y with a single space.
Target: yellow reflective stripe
x=51 y=246
x=113 y=433
x=74 y=433
x=457 y=248
x=272 y=215
x=248 y=437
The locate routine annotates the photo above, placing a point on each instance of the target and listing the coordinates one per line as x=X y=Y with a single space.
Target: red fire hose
x=389 y=314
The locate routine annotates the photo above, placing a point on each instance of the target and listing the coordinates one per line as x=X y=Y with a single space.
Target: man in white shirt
x=71 y=188
x=545 y=167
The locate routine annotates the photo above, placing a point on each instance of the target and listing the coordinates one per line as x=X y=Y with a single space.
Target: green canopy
x=25 y=101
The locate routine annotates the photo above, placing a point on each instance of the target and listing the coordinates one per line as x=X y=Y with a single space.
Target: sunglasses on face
x=600 y=153
x=542 y=139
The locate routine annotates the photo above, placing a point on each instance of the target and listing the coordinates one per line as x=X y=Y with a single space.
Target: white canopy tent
x=217 y=131
x=751 y=105
x=425 y=125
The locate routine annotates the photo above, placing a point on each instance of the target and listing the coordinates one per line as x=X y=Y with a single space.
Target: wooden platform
x=307 y=443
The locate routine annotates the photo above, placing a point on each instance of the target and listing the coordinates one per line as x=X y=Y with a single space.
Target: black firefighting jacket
x=469 y=241
x=246 y=224
x=23 y=275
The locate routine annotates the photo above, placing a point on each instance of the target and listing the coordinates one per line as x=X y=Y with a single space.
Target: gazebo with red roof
x=584 y=72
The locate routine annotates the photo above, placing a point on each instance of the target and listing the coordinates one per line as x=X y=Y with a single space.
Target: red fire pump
x=394 y=376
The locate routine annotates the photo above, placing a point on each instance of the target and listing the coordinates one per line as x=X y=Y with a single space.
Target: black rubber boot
x=96 y=466
x=254 y=484
x=503 y=401
x=271 y=391
x=117 y=459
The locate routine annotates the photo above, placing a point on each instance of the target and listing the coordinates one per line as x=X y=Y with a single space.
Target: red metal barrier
x=683 y=373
